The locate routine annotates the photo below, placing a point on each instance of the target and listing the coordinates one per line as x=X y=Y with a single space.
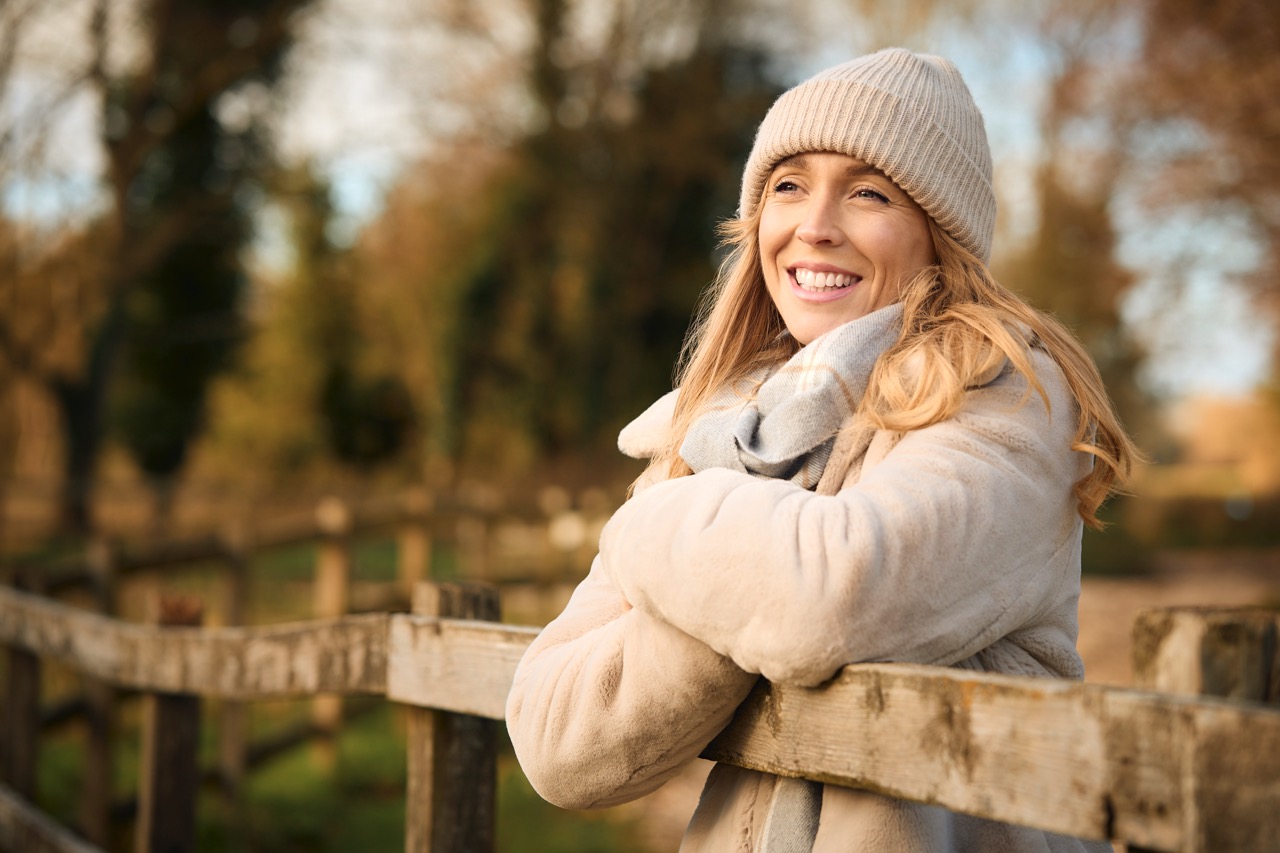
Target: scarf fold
x=785 y=429
x=791 y=823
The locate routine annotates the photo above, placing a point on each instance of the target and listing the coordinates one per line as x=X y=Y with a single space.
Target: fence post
x=413 y=552
x=473 y=532
x=1208 y=652
x=452 y=760
x=233 y=717
x=1227 y=653
x=332 y=597
x=169 y=784
x=22 y=717
x=95 y=802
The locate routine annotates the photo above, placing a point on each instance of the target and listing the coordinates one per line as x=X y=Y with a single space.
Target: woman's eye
x=869 y=194
x=785 y=186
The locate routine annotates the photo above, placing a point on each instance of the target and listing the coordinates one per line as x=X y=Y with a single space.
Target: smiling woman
x=876 y=452
x=837 y=241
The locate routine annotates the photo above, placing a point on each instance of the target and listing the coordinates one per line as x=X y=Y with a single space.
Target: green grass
x=358 y=803
x=353 y=800
x=349 y=797
x=61 y=767
x=528 y=824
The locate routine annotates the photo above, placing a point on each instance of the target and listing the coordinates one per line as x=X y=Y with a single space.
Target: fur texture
x=957 y=544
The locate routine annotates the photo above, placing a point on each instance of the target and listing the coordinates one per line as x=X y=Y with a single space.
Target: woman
x=876 y=452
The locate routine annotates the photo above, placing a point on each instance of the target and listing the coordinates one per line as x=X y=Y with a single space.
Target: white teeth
x=810 y=280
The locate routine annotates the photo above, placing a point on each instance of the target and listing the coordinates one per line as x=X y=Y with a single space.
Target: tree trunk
x=81 y=404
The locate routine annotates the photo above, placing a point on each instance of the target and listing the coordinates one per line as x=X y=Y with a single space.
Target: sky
x=359 y=98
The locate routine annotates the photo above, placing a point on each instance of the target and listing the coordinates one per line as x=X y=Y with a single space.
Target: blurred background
x=255 y=252
x=262 y=248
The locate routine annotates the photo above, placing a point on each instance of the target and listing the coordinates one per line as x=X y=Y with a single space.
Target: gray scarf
x=786 y=430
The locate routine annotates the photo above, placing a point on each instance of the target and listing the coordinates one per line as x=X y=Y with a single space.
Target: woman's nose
x=820 y=224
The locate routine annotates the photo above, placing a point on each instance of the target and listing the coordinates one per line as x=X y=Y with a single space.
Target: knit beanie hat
x=911 y=116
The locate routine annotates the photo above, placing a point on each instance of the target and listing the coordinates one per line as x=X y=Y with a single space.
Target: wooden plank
x=1156 y=770
x=413 y=543
x=332 y=594
x=1079 y=759
x=140 y=557
x=346 y=655
x=22 y=722
x=23 y=827
x=1068 y=757
x=332 y=588
x=1231 y=783
x=1214 y=652
x=233 y=716
x=963 y=742
x=473 y=534
x=21 y=718
x=1196 y=651
x=163 y=554
x=169 y=783
x=455 y=665
x=98 y=777
x=453 y=758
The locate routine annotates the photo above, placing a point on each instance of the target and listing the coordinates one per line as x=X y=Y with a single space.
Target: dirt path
x=1107 y=610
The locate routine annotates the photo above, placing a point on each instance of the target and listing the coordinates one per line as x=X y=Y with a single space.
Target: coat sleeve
x=608 y=702
x=965 y=532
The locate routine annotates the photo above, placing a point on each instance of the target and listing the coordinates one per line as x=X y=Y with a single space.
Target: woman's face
x=838 y=239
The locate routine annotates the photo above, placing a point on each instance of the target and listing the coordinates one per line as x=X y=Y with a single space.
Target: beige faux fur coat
x=956 y=545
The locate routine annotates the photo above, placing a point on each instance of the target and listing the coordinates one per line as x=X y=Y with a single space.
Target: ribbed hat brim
x=910 y=116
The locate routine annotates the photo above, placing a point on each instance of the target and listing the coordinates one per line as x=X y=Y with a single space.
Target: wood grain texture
x=169 y=777
x=1215 y=652
x=1159 y=771
x=1165 y=772
x=1204 y=651
x=452 y=779
x=454 y=665
x=21 y=722
x=345 y=656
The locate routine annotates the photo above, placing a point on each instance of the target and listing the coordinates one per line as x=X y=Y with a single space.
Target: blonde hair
x=959 y=325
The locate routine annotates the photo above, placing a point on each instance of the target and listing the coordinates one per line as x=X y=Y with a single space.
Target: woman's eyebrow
x=863 y=170
x=801 y=161
x=795 y=161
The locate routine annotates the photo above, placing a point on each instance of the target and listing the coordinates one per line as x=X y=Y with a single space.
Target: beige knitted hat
x=911 y=116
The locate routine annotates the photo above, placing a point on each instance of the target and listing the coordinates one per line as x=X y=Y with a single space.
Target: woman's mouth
x=823 y=282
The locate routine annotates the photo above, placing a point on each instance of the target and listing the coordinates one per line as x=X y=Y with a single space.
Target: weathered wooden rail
x=555 y=531
x=1153 y=769
x=415 y=517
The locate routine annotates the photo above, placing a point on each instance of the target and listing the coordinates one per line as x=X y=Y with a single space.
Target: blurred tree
x=561 y=298
x=182 y=318
x=908 y=22
x=1210 y=70
x=415 y=264
x=1068 y=265
x=366 y=418
x=176 y=177
x=307 y=388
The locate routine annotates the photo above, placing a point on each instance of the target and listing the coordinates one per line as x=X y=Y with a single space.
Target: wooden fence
x=1157 y=768
x=480 y=537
